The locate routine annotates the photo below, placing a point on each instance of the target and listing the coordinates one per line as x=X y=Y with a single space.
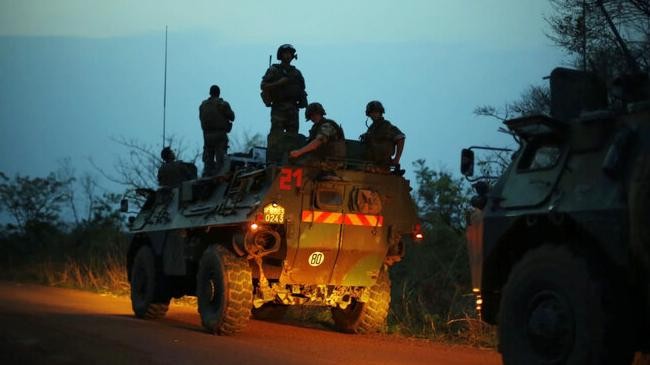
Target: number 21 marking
x=289 y=178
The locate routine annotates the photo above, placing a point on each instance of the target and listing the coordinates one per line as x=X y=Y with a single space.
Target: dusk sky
x=75 y=73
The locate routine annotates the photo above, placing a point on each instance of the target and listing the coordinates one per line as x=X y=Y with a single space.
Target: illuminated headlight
x=417 y=233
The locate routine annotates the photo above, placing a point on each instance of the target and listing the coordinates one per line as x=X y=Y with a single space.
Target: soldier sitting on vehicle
x=172 y=172
x=383 y=141
x=326 y=138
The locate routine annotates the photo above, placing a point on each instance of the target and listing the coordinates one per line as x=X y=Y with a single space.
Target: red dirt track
x=60 y=326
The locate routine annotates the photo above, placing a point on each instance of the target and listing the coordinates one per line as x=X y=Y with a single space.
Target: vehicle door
x=320 y=232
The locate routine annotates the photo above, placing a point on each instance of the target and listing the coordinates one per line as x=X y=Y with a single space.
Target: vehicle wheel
x=148 y=298
x=224 y=290
x=270 y=312
x=366 y=317
x=639 y=213
x=553 y=311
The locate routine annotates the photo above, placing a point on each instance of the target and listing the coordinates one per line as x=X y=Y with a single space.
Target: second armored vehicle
x=560 y=244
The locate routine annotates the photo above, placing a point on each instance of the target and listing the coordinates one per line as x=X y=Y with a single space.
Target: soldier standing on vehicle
x=172 y=172
x=383 y=141
x=326 y=138
x=216 y=121
x=283 y=89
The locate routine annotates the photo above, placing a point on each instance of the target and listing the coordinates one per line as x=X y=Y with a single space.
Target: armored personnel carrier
x=262 y=237
x=560 y=243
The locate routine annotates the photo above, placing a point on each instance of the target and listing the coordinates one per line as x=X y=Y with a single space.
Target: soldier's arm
x=272 y=79
x=230 y=114
x=302 y=103
x=399 y=147
x=271 y=85
x=311 y=146
x=267 y=78
x=301 y=80
x=325 y=132
x=160 y=176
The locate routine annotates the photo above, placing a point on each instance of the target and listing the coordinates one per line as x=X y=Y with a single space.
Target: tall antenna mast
x=165 y=91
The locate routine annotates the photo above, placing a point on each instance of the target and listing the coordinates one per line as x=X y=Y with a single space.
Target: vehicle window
x=539 y=157
x=329 y=199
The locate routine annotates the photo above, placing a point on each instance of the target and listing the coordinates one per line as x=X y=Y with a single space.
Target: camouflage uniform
x=380 y=140
x=332 y=138
x=216 y=121
x=284 y=99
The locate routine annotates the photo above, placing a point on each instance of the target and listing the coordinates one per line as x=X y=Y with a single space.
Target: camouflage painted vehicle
x=560 y=243
x=264 y=237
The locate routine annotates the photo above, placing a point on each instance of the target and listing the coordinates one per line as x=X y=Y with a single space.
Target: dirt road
x=59 y=326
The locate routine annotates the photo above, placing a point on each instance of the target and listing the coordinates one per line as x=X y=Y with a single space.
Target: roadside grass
x=88 y=257
x=410 y=317
x=106 y=275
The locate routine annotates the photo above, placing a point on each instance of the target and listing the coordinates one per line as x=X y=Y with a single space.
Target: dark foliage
x=431 y=285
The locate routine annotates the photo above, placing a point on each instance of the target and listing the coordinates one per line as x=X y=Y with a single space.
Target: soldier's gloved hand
x=294 y=154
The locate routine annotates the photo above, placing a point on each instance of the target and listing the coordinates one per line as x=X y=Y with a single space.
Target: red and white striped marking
x=352 y=219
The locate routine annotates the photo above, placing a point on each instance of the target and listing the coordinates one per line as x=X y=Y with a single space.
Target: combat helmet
x=215 y=91
x=167 y=154
x=314 y=108
x=374 y=106
x=286 y=47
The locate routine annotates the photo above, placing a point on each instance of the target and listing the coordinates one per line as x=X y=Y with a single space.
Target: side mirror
x=124 y=206
x=467 y=162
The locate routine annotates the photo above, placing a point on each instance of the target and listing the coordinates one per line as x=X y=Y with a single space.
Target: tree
x=33 y=201
x=430 y=282
x=139 y=168
x=610 y=37
x=440 y=197
x=245 y=141
x=534 y=100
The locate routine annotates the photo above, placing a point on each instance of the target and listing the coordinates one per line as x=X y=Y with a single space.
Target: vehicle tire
x=270 y=312
x=554 y=311
x=368 y=317
x=148 y=297
x=639 y=212
x=224 y=290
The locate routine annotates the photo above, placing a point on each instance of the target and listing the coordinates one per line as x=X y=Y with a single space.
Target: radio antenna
x=165 y=91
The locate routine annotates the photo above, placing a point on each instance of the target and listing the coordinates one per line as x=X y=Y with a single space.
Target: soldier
x=326 y=138
x=216 y=121
x=172 y=172
x=283 y=89
x=383 y=141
